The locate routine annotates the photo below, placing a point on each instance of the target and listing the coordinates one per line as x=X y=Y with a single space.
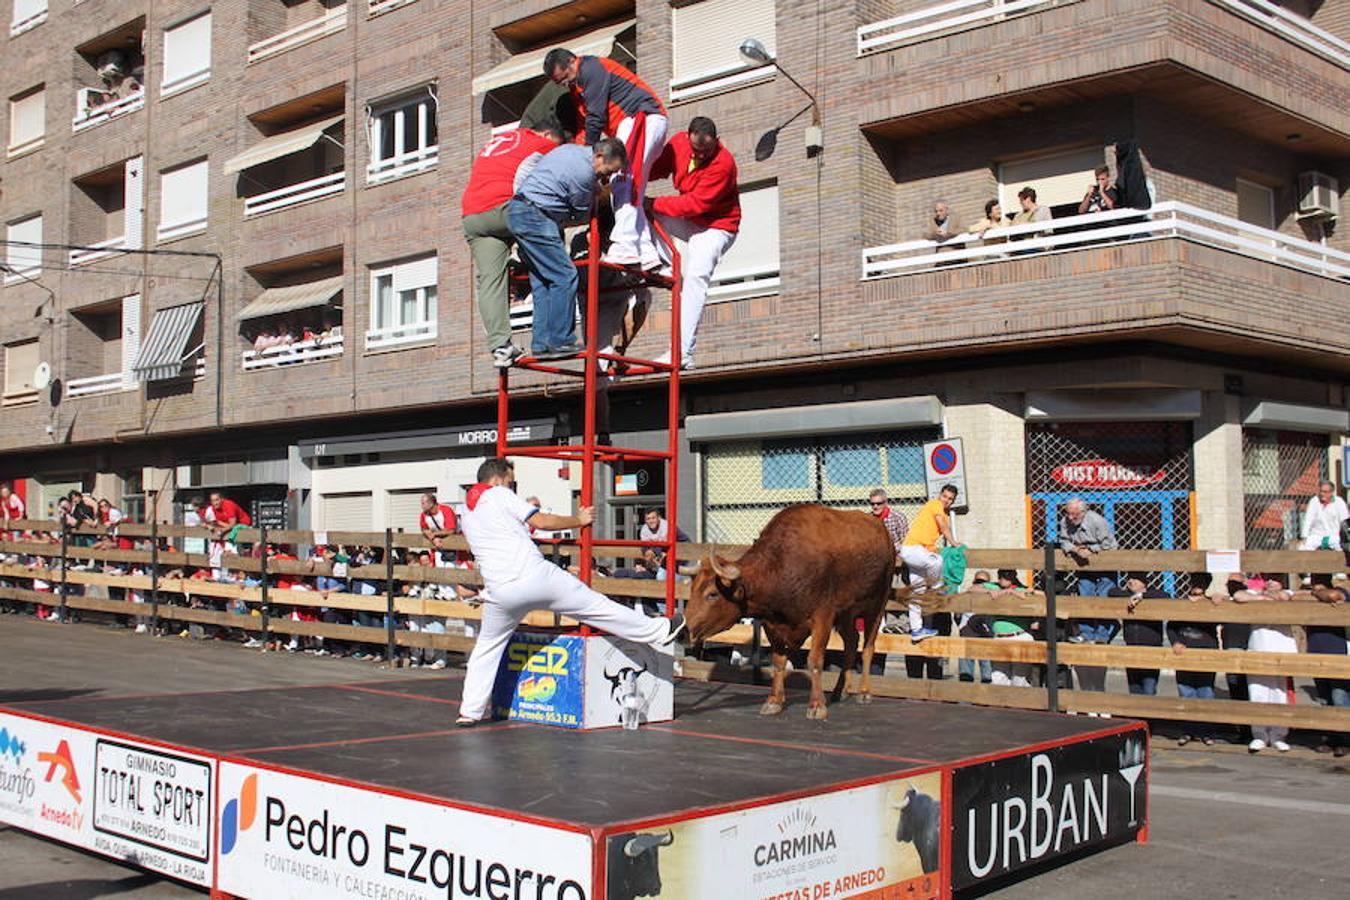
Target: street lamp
x=754 y=52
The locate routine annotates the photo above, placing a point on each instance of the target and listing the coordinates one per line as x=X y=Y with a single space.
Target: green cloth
x=953 y=568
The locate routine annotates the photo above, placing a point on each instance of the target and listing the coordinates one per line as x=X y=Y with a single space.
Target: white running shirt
x=499 y=536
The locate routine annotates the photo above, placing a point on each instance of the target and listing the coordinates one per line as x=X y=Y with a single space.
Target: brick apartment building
x=1185 y=370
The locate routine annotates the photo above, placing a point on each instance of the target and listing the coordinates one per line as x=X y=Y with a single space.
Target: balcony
x=299 y=353
x=380 y=7
x=95 y=385
x=944 y=19
x=1165 y=220
x=295 y=194
x=94 y=107
x=299 y=160
x=331 y=22
x=96 y=251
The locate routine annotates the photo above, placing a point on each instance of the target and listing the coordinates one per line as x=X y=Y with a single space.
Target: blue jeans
x=1191 y=686
x=1145 y=681
x=966 y=670
x=1096 y=631
x=553 y=275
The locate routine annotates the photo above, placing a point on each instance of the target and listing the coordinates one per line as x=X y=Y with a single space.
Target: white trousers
x=703 y=249
x=631 y=240
x=543 y=586
x=925 y=573
x=1007 y=673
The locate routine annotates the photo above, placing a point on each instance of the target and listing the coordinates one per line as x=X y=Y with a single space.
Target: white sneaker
x=141 y=629
x=686 y=360
x=1256 y=746
x=1281 y=746
x=438 y=664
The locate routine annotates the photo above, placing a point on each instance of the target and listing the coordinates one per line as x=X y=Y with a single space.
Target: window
x=707 y=39
x=104 y=341
x=402 y=136
x=187 y=54
x=750 y=267
x=27 y=14
x=300 y=155
x=182 y=200
x=21 y=359
x=1255 y=204
x=402 y=303
x=24 y=260
x=1060 y=179
x=27 y=120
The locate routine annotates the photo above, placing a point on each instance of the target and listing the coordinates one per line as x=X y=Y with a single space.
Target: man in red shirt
x=436 y=521
x=496 y=173
x=705 y=214
x=11 y=504
x=613 y=102
x=224 y=514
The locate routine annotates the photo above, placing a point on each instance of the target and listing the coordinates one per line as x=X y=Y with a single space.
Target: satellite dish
x=42 y=375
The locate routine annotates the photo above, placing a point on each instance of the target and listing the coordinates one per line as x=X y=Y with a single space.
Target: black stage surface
x=718 y=753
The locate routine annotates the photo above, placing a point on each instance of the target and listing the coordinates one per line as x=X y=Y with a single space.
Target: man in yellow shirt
x=920 y=553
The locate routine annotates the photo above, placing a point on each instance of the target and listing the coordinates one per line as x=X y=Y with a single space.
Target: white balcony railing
x=394 y=335
x=330 y=22
x=944 y=18
x=295 y=194
x=97 y=251
x=409 y=163
x=294 y=354
x=95 y=385
x=379 y=7
x=90 y=110
x=962 y=15
x=1165 y=220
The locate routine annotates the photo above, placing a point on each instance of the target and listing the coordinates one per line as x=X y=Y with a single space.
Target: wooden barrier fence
x=263 y=601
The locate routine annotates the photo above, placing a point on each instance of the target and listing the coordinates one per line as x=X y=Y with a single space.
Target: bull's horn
x=727 y=571
x=641 y=843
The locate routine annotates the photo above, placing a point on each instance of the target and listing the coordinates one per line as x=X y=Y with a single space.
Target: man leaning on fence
x=1083 y=533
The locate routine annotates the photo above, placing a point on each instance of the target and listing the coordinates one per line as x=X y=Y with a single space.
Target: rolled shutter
x=1058 y=178
x=28 y=118
x=404 y=507
x=755 y=251
x=708 y=35
x=415 y=274
x=347 y=512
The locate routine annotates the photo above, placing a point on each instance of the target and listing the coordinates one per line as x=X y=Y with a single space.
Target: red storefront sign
x=1103 y=473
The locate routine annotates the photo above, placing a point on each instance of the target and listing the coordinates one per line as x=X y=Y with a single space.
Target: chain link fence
x=1280 y=471
x=746 y=482
x=1139 y=475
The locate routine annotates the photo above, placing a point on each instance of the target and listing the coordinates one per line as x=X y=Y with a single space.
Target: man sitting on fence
x=519 y=580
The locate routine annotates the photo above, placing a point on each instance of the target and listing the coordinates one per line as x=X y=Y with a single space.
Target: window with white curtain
x=27 y=14
x=402 y=303
x=187 y=54
x=24 y=261
x=27 y=120
x=183 y=200
x=749 y=268
x=706 y=43
x=402 y=135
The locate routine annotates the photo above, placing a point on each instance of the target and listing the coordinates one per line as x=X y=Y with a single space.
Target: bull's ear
x=724 y=569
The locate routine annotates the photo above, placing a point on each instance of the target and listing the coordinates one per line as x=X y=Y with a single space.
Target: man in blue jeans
x=1082 y=533
x=558 y=191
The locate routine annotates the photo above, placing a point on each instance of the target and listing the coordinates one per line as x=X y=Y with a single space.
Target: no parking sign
x=944 y=462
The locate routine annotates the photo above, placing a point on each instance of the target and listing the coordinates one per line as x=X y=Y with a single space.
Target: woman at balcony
x=993 y=218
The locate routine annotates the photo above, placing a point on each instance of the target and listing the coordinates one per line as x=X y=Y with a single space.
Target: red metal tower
x=590 y=453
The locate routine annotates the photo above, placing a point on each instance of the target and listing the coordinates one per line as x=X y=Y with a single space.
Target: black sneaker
x=562 y=352
x=505 y=356
x=677 y=626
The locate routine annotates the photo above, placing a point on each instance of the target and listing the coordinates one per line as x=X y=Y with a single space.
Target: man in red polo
x=705 y=214
x=223 y=515
x=497 y=171
x=614 y=102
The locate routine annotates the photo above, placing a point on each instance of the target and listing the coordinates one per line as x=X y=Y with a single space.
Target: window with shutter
x=27 y=14
x=187 y=54
x=20 y=361
x=402 y=303
x=347 y=512
x=707 y=40
x=182 y=200
x=1059 y=179
x=24 y=261
x=27 y=120
x=750 y=267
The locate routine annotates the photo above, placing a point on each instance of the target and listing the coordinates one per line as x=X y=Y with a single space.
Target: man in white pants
x=705 y=214
x=519 y=580
x=614 y=102
x=920 y=553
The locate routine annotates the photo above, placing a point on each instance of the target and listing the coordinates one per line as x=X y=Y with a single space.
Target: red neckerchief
x=475 y=492
x=885 y=513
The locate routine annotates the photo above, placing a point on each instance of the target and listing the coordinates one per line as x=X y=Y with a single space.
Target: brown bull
x=812 y=570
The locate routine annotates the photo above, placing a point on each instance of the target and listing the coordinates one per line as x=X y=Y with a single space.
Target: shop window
x=1280 y=471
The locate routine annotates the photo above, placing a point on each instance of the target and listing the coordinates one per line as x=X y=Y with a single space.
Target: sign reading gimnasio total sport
x=1024 y=810
x=285 y=835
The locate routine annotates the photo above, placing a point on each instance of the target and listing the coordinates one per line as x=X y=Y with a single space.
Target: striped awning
x=164 y=349
x=275 y=301
x=279 y=145
x=524 y=66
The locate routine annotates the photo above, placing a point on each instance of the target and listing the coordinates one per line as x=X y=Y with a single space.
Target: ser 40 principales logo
x=799 y=837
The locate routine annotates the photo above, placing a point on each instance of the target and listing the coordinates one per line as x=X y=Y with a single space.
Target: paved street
x=1224 y=824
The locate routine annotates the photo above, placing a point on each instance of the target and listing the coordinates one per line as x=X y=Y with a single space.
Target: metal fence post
x=390 y=645
x=1051 y=634
x=154 y=563
x=264 y=603
x=65 y=564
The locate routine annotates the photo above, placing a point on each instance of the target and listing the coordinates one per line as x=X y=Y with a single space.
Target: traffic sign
x=944 y=462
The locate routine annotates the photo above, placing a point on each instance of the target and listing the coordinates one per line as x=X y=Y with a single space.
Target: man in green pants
x=496 y=173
